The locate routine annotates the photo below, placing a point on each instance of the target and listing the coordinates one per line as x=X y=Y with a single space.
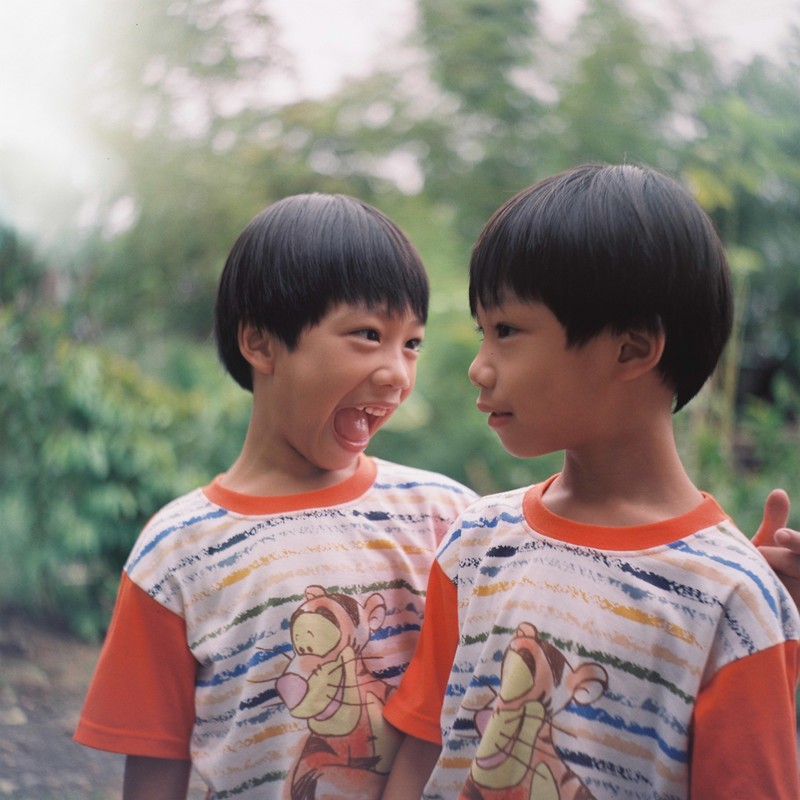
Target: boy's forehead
x=359 y=309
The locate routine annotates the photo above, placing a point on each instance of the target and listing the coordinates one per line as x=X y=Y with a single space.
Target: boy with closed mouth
x=607 y=632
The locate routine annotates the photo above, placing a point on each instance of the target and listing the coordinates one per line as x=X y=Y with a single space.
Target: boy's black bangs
x=574 y=260
x=320 y=250
x=503 y=262
x=370 y=264
x=493 y=275
x=345 y=254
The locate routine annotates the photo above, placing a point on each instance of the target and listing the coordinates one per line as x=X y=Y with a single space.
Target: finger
x=789 y=539
x=776 y=515
x=783 y=561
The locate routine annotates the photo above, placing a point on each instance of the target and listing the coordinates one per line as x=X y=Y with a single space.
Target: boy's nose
x=480 y=374
x=396 y=372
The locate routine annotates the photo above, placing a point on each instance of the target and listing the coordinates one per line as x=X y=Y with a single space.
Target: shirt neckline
x=633 y=537
x=256 y=505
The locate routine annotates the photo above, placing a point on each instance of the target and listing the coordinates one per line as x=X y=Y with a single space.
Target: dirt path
x=43 y=678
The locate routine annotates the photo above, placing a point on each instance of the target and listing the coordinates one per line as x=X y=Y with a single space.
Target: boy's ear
x=257 y=348
x=640 y=350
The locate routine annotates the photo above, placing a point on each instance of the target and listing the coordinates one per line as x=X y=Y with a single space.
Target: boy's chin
x=525 y=449
x=346 y=459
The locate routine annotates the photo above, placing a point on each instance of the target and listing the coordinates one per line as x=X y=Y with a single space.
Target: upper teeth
x=375 y=411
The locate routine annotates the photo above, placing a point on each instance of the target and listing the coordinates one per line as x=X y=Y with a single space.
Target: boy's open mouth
x=356 y=424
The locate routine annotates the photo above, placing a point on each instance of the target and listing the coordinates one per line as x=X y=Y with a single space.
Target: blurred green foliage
x=90 y=446
x=111 y=400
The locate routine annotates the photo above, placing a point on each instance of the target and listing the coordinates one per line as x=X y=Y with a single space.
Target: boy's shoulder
x=401 y=475
x=483 y=517
x=188 y=510
x=181 y=508
x=506 y=504
x=724 y=569
x=730 y=551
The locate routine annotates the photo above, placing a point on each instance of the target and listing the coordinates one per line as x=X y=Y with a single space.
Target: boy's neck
x=250 y=475
x=642 y=482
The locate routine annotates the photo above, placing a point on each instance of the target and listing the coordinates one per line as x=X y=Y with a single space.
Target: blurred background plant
x=111 y=399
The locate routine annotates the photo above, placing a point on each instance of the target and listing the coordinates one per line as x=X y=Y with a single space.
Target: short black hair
x=304 y=254
x=612 y=247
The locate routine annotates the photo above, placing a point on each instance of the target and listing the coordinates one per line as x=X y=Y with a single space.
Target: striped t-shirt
x=261 y=636
x=566 y=661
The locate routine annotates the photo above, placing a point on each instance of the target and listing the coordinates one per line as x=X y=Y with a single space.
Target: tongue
x=351 y=424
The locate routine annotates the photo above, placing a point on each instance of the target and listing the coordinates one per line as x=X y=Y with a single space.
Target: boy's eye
x=503 y=330
x=414 y=344
x=370 y=334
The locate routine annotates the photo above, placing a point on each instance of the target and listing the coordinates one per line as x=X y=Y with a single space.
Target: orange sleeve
x=415 y=707
x=745 y=735
x=141 y=698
